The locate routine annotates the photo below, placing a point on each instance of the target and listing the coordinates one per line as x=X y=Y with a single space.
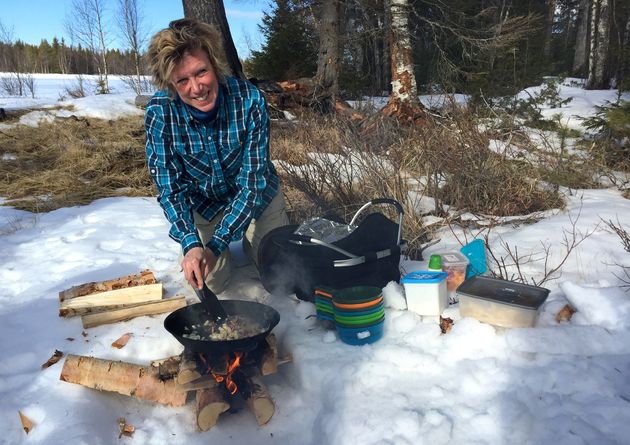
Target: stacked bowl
x=358 y=312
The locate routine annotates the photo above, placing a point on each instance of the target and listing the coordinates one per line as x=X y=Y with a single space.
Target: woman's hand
x=197 y=264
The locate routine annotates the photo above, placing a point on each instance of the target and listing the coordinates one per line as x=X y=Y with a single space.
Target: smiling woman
x=208 y=153
x=195 y=81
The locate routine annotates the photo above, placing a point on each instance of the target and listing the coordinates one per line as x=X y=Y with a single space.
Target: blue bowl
x=361 y=336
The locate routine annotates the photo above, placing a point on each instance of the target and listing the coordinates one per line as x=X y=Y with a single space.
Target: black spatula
x=211 y=303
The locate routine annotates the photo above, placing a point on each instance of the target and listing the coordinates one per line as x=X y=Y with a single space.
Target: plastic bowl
x=358 y=313
x=357 y=294
x=360 y=325
x=360 y=320
x=361 y=335
x=356 y=306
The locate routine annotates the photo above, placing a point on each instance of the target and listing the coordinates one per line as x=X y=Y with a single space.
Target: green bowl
x=360 y=325
x=360 y=319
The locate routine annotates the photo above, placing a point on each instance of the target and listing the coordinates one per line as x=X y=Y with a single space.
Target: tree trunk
x=403 y=101
x=551 y=13
x=600 y=39
x=327 y=76
x=580 y=55
x=213 y=12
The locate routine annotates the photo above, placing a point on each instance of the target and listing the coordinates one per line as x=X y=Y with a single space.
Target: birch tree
x=130 y=22
x=599 y=45
x=87 y=26
x=213 y=12
x=403 y=101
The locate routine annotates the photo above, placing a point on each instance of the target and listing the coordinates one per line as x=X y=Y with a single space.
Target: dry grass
x=72 y=162
x=329 y=167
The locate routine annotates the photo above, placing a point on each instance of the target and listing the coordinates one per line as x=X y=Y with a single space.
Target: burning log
x=124 y=378
x=260 y=402
x=210 y=403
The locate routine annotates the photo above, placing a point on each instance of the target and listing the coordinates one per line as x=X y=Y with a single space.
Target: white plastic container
x=425 y=292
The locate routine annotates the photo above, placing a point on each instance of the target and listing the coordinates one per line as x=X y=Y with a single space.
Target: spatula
x=211 y=303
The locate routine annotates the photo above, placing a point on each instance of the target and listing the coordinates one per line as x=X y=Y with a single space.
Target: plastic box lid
x=453 y=259
x=423 y=277
x=503 y=291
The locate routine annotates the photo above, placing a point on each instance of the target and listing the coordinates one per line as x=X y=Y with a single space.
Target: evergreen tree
x=290 y=48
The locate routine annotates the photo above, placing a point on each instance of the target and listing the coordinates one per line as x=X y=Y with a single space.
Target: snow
x=561 y=383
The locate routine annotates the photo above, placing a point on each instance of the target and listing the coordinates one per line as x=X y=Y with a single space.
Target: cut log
x=143 y=278
x=112 y=298
x=269 y=359
x=203 y=382
x=260 y=402
x=116 y=315
x=123 y=378
x=187 y=370
x=210 y=403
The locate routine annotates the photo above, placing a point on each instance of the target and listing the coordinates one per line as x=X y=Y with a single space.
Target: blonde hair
x=169 y=45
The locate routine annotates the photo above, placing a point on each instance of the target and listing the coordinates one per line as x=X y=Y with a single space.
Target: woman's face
x=195 y=81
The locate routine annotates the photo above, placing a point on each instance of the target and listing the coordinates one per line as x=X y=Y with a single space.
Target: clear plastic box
x=454 y=264
x=500 y=302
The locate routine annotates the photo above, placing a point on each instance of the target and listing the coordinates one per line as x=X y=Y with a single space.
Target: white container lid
x=453 y=259
x=424 y=277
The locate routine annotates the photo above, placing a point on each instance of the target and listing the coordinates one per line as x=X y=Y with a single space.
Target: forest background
x=479 y=47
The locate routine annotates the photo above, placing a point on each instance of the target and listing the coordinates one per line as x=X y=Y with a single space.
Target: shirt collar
x=222 y=107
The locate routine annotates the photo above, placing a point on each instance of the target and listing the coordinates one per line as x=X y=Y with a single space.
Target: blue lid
x=424 y=276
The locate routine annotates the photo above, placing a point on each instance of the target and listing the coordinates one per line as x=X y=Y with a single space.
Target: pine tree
x=290 y=48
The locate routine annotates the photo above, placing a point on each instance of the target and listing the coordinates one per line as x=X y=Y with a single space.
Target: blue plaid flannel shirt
x=222 y=166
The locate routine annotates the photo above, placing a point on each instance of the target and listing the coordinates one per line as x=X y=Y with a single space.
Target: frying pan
x=264 y=316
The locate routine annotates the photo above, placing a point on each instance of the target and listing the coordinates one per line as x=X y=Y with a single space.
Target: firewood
x=157 y=363
x=210 y=403
x=121 y=377
x=269 y=359
x=187 y=370
x=203 y=382
x=260 y=402
x=169 y=368
x=116 y=315
x=105 y=300
x=143 y=278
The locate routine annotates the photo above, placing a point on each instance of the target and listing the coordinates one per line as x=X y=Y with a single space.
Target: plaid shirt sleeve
x=251 y=180
x=165 y=167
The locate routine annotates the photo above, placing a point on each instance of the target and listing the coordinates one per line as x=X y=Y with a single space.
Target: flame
x=229 y=382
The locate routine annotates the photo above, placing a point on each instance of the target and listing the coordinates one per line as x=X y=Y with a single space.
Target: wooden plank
x=121 y=377
x=126 y=296
x=143 y=278
x=114 y=316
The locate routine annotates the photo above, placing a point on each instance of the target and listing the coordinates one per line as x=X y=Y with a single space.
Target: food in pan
x=233 y=328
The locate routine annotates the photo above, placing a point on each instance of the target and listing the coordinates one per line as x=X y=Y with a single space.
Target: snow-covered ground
x=564 y=383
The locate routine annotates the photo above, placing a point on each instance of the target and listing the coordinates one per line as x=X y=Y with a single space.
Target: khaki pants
x=274 y=216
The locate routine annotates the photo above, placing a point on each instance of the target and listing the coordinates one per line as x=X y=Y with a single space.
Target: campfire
x=221 y=383
x=226 y=376
x=230 y=381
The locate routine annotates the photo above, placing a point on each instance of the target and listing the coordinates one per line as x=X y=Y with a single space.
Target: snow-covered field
x=566 y=383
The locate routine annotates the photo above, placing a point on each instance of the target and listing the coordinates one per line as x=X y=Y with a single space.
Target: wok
x=264 y=316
